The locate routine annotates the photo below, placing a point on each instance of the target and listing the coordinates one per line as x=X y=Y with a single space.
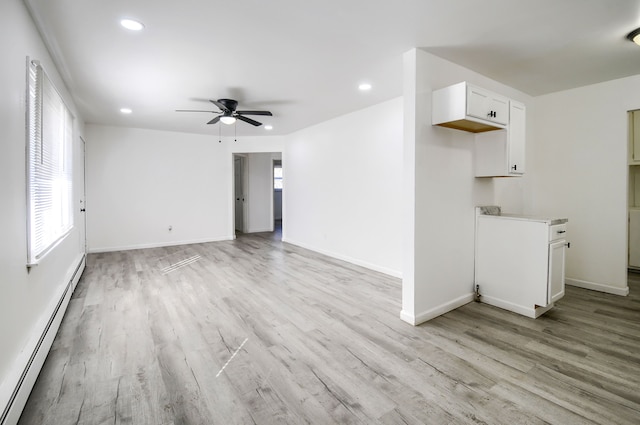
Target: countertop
x=495 y=212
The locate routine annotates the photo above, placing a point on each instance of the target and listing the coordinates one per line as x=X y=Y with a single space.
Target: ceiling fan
x=228 y=113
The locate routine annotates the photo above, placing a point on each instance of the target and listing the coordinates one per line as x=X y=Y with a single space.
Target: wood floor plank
x=256 y=331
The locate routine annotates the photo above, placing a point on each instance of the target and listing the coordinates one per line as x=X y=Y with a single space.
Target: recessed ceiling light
x=634 y=36
x=126 y=110
x=364 y=86
x=268 y=127
x=132 y=24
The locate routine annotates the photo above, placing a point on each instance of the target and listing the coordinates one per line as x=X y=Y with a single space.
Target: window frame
x=49 y=165
x=277 y=164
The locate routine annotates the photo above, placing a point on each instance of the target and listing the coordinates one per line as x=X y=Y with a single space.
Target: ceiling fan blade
x=222 y=107
x=215 y=120
x=249 y=120
x=254 y=113
x=194 y=110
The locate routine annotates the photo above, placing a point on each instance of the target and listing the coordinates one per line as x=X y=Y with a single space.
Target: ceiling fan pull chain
x=235 y=131
x=219 y=134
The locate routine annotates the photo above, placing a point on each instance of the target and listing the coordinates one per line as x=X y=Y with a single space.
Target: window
x=49 y=161
x=277 y=176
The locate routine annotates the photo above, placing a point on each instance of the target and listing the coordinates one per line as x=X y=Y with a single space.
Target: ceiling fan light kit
x=228 y=113
x=132 y=24
x=634 y=36
x=225 y=119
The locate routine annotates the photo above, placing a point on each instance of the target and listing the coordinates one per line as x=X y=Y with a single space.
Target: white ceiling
x=303 y=60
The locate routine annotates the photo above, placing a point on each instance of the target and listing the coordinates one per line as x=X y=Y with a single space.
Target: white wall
x=342 y=187
x=140 y=182
x=28 y=297
x=579 y=170
x=441 y=191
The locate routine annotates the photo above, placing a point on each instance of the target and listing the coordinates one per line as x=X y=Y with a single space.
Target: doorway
x=277 y=196
x=240 y=184
x=256 y=201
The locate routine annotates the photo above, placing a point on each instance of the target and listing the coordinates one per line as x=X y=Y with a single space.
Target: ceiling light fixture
x=226 y=119
x=132 y=24
x=364 y=86
x=634 y=36
x=268 y=127
x=126 y=110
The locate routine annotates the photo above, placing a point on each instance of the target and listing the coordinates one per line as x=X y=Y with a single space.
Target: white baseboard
x=157 y=245
x=357 y=262
x=432 y=313
x=609 y=289
x=407 y=317
x=15 y=389
x=531 y=312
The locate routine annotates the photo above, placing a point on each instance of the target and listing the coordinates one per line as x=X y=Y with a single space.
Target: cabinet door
x=634 y=125
x=634 y=238
x=556 y=271
x=478 y=101
x=488 y=106
x=499 y=109
x=517 y=136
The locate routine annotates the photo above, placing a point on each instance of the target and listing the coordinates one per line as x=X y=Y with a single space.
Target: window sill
x=32 y=262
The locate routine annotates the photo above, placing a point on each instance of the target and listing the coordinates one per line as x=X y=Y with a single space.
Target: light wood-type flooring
x=256 y=331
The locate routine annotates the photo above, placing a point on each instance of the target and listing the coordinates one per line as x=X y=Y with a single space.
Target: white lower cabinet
x=520 y=262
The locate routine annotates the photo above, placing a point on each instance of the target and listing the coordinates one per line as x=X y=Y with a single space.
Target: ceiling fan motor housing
x=230 y=104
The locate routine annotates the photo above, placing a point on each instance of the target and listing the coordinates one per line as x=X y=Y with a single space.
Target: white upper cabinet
x=501 y=153
x=634 y=137
x=498 y=121
x=466 y=107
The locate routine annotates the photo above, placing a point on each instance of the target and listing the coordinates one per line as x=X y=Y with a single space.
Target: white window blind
x=49 y=162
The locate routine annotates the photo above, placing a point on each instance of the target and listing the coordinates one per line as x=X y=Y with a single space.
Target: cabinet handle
x=568 y=244
x=562 y=231
x=515 y=167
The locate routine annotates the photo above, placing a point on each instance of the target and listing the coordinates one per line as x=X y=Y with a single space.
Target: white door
x=556 y=271
x=83 y=217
